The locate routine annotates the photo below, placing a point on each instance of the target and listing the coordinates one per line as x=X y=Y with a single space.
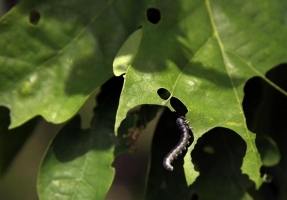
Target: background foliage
x=220 y=63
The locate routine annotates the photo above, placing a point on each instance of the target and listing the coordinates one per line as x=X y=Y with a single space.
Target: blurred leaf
x=78 y=162
x=203 y=52
x=132 y=127
x=269 y=151
x=12 y=141
x=55 y=53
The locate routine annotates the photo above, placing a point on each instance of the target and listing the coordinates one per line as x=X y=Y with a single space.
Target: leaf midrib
x=225 y=59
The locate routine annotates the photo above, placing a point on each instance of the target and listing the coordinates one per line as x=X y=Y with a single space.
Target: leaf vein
x=225 y=59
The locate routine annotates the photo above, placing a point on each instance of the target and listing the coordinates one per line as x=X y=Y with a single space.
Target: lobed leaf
x=55 y=53
x=203 y=52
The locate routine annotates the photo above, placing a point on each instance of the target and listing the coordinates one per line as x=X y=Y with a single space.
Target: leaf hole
x=178 y=106
x=278 y=75
x=216 y=146
x=262 y=103
x=153 y=15
x=34 y=17
x=163 y=93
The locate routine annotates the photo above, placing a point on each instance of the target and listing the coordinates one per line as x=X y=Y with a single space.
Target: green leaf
x=77 y=165
x=127 y=53
x=78 y=162
x=55 y=53
x=203 y=52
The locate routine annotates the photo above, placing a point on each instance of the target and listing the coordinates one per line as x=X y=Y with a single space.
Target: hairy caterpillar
x=182 y=125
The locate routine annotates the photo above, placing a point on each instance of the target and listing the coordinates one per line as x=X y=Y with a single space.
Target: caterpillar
x=182 y=125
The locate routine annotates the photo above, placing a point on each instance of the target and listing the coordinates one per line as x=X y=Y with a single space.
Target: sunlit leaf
x=203 y=52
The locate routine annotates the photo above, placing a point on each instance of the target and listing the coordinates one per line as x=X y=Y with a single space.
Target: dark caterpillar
x=182 y=125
